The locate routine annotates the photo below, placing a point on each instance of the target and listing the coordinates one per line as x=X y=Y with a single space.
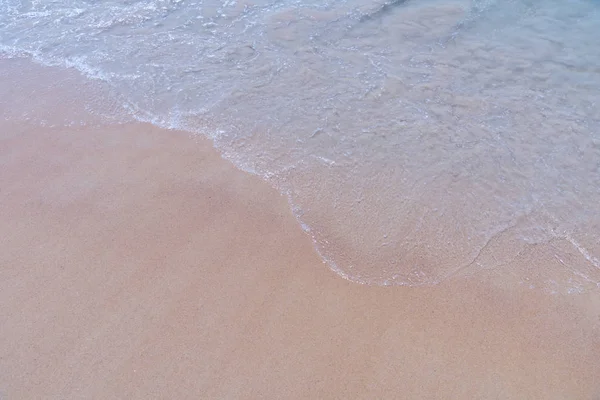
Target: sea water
x=416 y=140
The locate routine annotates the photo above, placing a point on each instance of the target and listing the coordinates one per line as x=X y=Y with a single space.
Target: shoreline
x=136 y=262
x=137 y=265
x=569 y=268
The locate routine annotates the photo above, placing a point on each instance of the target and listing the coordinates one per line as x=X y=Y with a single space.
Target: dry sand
x=135 y=263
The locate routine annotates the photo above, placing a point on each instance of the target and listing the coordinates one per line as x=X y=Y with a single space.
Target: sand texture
x=136 y=263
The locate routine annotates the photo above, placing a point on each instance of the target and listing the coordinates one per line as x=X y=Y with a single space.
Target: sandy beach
x=136 y=263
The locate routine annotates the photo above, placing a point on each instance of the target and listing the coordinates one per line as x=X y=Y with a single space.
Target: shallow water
x=414 y=139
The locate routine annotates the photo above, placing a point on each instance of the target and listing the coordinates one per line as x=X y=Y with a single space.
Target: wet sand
x=136 y=263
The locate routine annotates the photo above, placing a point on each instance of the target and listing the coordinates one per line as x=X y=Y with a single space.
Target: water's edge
x=467 y=146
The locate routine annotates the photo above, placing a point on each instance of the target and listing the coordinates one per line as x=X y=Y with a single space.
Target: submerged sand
x=136 y=263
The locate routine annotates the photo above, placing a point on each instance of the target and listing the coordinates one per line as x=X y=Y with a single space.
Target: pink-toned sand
x=135 y=263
